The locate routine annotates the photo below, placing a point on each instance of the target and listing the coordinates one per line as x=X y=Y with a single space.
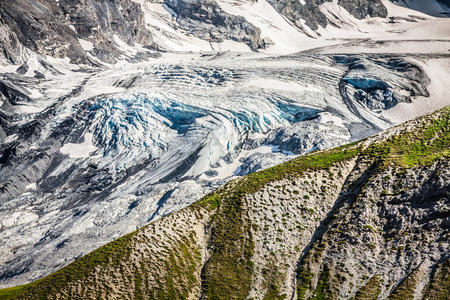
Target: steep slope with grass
x=367 y=220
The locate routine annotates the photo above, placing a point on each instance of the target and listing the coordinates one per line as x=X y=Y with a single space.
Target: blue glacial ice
x=142 y=125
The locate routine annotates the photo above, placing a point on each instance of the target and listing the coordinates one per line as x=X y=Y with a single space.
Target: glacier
x=143 y=126
x=111 y=149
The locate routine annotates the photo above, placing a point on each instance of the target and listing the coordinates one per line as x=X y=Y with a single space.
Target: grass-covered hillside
x=367 y=220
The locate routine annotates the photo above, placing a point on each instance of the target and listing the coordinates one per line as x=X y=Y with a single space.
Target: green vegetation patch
x=406 y=289
x=180 y=275
x=304 y=279
x=273 y=279
x=439 y=286
x=12 y=292
x=421 y=146
x=229 y=271
x=371 y=290
x=111 y=253
x=323 y=289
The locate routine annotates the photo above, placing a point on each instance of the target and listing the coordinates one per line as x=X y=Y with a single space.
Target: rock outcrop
x=55 y=28
x=361 y=9
x=206 y=20
x=309 y=12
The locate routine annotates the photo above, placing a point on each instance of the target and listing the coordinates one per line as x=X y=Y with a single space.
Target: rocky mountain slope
x=98 y=32
x=62 y=28
x=368 y=220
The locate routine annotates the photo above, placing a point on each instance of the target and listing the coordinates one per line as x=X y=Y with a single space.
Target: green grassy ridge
x=429 y=141
x=231 y=242
x=421 y=146
x=179 y=278
x=80 y=269
x=229 y=271
x=438 y=288
x=12 y=291
x=371 y=290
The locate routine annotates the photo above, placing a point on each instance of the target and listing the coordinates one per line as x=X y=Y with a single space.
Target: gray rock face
x=52 y=28
x=41 y=27
x=310 y=11
x=295 y=11
x=206 y=20
x=363 y=8
x=98 y=21
x=10 y=46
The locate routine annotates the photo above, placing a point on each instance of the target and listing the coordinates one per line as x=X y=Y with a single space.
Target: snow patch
x=11 y=138
x=79 y=150
x=327 y=118
x=18 y=218
x=86 y=45
x=31 y=186
x=438 y=70
x=283 y=85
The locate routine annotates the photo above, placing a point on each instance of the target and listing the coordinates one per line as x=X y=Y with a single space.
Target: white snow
x=11 y=138
x=31 y=186
x=18 y=218
x=282 y=85
x=29 y=108
x=328 y=118
x=127 y=49
x=87 y=46
x=438 y=70
x=79 y=150
x=229 y=45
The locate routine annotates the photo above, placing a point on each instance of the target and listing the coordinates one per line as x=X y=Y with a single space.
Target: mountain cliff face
x=95 y=32
x=309 y=10
x=206 y=20
x=364 y=221
x=59 y=28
